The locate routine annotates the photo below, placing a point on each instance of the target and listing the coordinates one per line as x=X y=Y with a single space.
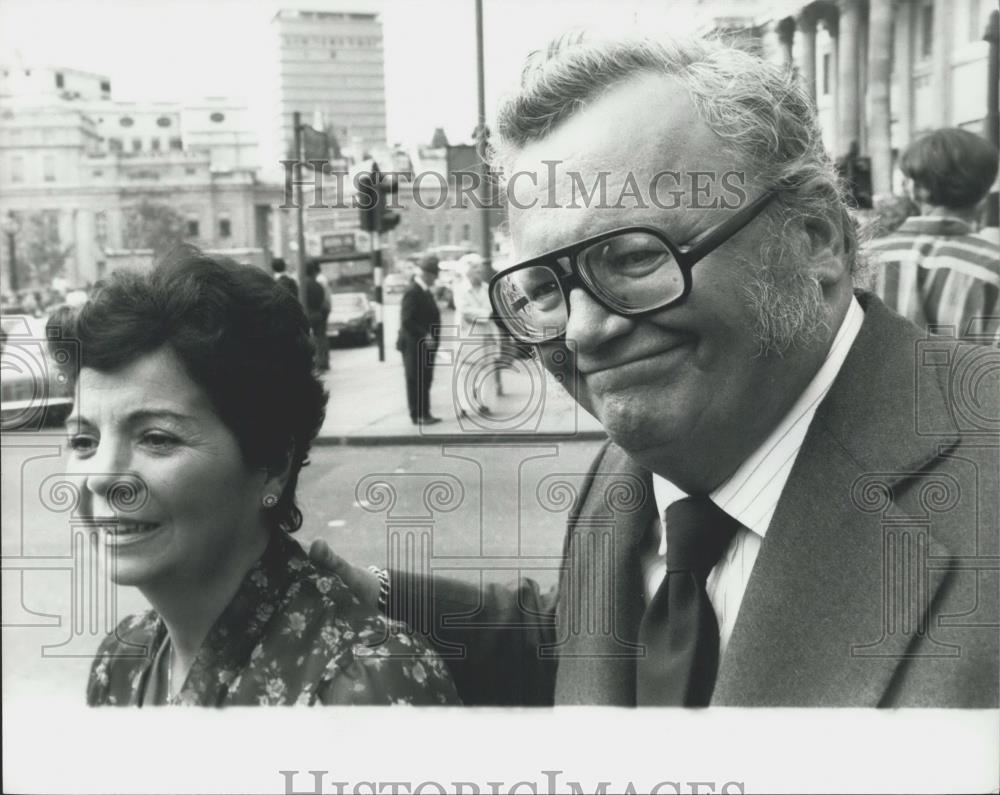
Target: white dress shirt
x=751 y=494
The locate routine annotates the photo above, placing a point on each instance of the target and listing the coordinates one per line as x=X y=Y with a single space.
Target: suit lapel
x=600 y=597
x=816 y=594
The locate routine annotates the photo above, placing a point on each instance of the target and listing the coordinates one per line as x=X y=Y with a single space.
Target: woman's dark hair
x=242 y=338
x=951 y=167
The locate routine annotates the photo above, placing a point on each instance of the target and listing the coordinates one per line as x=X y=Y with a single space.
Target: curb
x=402 y=439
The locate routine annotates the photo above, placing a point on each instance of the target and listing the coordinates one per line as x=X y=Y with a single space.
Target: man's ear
x=829 y=247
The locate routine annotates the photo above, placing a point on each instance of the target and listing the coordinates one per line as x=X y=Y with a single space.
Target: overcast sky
x=184 y=49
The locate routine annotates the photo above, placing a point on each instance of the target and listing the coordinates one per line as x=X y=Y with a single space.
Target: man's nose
x=590 y=325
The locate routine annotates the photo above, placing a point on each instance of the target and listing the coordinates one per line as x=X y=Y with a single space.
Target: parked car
x=33 y=392
x=352 y=318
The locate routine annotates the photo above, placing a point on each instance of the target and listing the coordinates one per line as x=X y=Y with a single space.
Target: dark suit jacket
x=419 y=317
x=876 y=585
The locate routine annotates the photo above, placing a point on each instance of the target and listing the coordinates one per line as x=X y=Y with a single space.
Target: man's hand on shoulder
x=362 y=582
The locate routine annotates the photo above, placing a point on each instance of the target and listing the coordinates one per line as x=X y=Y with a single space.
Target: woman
x=197 y=404
x=478 y=363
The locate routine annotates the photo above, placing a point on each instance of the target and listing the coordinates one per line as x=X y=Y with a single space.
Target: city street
x=472 y=508
x=368 y=398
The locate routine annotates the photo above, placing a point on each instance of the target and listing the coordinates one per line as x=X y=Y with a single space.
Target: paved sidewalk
x=368 y=404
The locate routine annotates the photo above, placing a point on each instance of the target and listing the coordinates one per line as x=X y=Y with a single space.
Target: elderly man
x=798 y=504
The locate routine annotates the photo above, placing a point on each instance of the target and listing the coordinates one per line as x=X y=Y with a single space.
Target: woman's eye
x=158 y=440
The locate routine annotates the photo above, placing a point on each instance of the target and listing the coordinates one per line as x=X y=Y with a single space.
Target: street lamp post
x=11 y=226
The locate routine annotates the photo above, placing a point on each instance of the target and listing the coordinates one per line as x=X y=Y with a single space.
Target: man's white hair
x=761 y=112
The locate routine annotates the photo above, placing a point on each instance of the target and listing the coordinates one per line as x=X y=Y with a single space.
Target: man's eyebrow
x=76 y=419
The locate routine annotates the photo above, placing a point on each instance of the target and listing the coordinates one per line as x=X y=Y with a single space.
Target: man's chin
x=631 y=425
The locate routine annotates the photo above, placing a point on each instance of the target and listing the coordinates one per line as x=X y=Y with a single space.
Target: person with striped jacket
x=934 y=269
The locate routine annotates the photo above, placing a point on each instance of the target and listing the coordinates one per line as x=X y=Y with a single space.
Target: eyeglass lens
x=629 y=273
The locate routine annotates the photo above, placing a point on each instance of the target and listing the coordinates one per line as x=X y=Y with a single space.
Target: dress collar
x=234 y=635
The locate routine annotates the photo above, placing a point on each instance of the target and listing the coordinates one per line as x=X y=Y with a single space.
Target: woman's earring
x=270 y=500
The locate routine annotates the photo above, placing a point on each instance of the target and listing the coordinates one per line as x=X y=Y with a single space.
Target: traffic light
x=375 y=193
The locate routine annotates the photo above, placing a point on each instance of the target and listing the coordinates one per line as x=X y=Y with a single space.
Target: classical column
x=863 y=77
x=830 y=18
x=940 y=68
x=992 y=36
x=785 y=29
x=879 y=76
x=806 y=23
x=903 y=69
x=847 y=76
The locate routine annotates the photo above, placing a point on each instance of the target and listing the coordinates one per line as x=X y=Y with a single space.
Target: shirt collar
x=751 y=493
x=936 y=225
x=422 y=283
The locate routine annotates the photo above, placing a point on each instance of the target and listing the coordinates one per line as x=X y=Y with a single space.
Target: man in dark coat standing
x=419 y=326
x=318 y=310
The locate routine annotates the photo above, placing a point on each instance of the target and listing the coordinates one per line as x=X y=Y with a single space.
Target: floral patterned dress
x=293 y=634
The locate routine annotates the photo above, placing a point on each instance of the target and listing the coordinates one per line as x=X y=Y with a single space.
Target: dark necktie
x=679 y=629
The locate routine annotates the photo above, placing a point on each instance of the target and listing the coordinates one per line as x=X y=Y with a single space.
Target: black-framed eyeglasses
x=630 y=271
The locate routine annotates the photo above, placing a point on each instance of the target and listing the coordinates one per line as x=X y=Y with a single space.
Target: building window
x=17 y=169
x=447 y=234
x=190 y=170
x=431 y=236
x=154 y=144
x=49 y=168
x=175 y=144
x=191 y=227
x=115 y=144
x=218 y=117
x=137 y=144
x=101 y=226
x=98 y=172
x=163 y=121
x=126 y=121
x=225 y=226
x=106 y=86
x=826 y=74
x=466 y=232
x=927 y=30
x=60 y=82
